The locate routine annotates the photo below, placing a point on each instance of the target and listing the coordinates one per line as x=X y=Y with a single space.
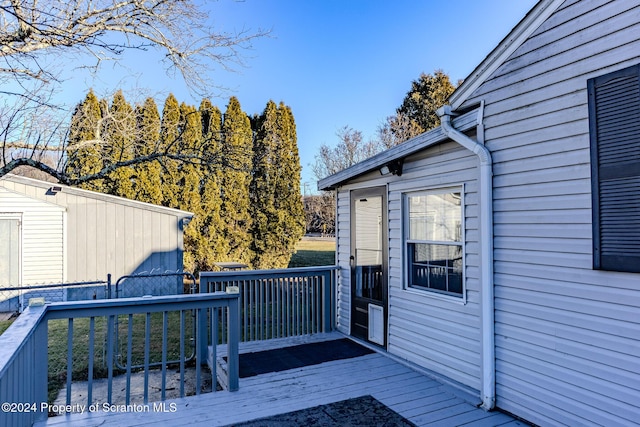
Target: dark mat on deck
x=281 y=359
x=361 y=411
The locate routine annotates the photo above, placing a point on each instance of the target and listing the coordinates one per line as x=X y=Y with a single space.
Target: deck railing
x=24 y=355
x=279 y=303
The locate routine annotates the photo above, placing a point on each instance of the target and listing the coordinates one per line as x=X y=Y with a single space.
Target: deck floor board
x=415 y=396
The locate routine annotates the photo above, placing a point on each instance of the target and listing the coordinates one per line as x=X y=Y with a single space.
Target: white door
x=9 y=251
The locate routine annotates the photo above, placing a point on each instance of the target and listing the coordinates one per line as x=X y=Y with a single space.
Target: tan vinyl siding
x=567 y=336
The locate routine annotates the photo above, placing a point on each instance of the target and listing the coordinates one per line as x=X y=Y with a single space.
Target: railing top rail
x=298 y=271
x=25 y=325
x=12 y=340
x=146 y=304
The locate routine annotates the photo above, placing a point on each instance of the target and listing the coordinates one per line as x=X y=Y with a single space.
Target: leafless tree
x=320 y=212
x=38 y=37
x=396 y=130
x=351 y=149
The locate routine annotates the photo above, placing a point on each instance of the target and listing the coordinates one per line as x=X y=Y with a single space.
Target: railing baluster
x=303 y=299
x=182 y=329
x=306 y=305
x=297 y=306
x=312 y=305
x=199 y=348
x=260 y=317
x=245 y=299
x=110 y=342
x=92 y=328
x=252 y=310
x=147 y=339
x=275 y=316
x=214 y=348
x=165 y=321
x=129 y=357
x=70 y=358
x=287 y=319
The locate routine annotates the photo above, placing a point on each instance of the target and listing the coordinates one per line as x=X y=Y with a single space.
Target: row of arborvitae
x=240 y=176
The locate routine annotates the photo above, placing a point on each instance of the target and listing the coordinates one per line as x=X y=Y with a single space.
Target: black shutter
x=614 y=127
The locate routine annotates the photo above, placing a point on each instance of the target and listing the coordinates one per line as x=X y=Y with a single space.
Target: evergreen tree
x=263 y=188
x=169 y=140
x=211 y=224
x=288 y=203
x=190 y=176
x=276 y=200
x=427 y=94
x=85 y=144
x=119 y=134
x=236 y=160
x=149 y=174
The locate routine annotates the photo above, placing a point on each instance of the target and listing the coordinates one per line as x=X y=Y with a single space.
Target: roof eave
x=463 y=123
x=98 y=196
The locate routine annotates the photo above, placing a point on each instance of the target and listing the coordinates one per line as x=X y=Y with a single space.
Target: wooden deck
x=419 y=398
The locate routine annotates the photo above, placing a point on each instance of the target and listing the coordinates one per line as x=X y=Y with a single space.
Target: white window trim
x=405 y=232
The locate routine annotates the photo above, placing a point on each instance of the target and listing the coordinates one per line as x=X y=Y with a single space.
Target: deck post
x=40 y=370
x=233 y=338
x=202 y=335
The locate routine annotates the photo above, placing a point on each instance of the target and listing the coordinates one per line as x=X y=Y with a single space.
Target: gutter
x=486 y=252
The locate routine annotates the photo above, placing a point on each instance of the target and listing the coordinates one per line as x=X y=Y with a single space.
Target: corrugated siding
x=440 y=335
x=42 y=238
x=567 y=336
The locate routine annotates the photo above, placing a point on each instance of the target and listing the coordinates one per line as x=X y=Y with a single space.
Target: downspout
x=486 y=253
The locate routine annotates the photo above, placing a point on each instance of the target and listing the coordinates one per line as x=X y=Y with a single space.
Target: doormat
x=361 y=411
x=281 y=359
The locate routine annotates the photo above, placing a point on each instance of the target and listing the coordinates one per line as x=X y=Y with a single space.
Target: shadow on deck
x=415 y=397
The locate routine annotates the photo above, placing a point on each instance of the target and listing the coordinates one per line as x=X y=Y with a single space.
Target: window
x=433 y=232
x=614 y=129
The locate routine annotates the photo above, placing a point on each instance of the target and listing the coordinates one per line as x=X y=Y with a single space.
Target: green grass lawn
x=4 y=324
x=313 y=252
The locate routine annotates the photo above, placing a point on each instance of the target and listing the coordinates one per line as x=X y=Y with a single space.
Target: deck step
x=264 y=345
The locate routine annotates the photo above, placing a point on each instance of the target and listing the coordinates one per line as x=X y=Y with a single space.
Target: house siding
x=42 y=237
x=567 y=336
x=442 y=335
x=105 y=234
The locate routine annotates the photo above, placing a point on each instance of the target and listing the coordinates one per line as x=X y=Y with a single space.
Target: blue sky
x=334 y=62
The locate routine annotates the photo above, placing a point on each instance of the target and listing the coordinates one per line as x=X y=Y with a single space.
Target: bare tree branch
x=36 y=36
x=29 y=28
